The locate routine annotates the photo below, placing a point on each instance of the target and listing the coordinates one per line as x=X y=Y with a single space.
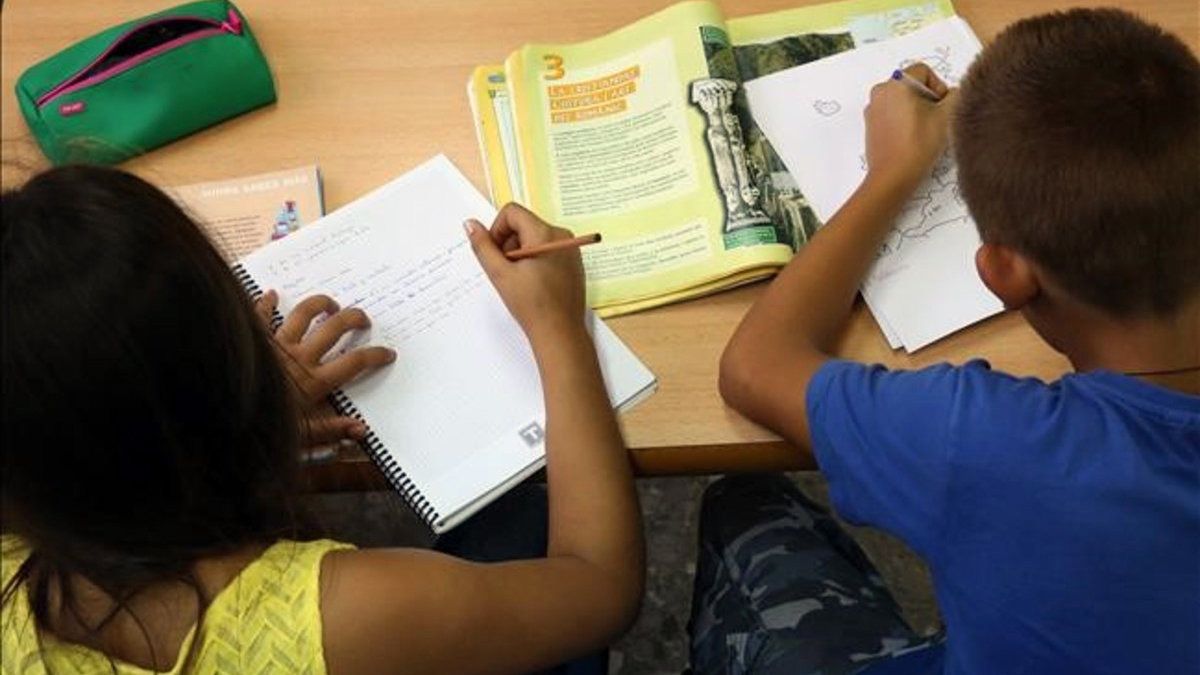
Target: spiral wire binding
x=392 y=471
x=371 y=444
x=254 y=291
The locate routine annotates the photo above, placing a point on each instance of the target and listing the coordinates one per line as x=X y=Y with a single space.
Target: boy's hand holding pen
x=907 y=122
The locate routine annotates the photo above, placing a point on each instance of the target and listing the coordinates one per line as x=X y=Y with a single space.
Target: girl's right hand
x=545 y=294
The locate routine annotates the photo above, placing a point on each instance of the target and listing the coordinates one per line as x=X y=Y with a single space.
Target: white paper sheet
x=889 y=333
x=456 y=410
x=923 y=285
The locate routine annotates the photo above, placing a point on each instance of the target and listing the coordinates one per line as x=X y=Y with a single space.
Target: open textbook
x=923 y=285
x=646 y=136
x=459 y=418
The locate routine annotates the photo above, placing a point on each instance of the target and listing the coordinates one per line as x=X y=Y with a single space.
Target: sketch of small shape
x=827 y=108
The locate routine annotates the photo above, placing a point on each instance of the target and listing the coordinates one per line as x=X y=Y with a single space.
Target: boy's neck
x=1161 y=350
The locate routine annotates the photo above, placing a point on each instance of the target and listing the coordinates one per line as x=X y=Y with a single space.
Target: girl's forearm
x=594 y=512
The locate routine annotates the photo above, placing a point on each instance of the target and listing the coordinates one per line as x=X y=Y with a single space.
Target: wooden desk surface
x=370 y=88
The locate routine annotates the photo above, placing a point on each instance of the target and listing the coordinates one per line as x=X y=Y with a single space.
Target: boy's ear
x=1007 y=274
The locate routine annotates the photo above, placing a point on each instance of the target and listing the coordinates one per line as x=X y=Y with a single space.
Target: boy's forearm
x=807 y=305
x=793 y=327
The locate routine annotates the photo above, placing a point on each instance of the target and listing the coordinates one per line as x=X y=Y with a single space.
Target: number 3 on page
x=554 y=67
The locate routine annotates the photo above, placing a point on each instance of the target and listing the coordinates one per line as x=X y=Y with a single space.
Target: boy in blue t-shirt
x=1061 y=521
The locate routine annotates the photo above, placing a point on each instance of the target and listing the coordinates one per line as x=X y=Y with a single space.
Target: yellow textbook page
x=632 y=135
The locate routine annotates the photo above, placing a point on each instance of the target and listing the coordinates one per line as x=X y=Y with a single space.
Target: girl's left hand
x=303 y=353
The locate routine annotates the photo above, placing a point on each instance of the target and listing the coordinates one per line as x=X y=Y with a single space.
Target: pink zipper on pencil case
x=231 y=26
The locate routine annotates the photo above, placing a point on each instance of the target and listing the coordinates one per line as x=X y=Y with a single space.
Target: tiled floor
x=658 y=641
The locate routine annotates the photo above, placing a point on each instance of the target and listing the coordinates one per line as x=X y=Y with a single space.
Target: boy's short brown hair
x=1078 y=144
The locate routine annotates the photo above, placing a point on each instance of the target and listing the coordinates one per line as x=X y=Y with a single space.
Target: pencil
x=559 y=245
x=916 y=85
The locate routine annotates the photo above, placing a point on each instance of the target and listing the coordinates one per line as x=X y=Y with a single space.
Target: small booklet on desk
x=459 y=418
x=244 y=213
x=646 y=136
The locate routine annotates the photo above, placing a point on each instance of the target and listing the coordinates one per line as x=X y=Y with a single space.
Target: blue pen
x=916 y=85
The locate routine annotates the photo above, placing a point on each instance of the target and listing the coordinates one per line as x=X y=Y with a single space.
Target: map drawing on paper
x=923 y=284
x=935 y=204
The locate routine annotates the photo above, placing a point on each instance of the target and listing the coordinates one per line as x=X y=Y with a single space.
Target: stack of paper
x=923 y=285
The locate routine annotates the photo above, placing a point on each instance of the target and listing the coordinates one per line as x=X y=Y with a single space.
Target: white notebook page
x=455 y=409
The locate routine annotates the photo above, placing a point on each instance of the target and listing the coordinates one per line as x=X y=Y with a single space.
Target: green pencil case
x=145 y=83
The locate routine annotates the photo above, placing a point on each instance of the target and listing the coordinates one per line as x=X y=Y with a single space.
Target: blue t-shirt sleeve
x=882 y=439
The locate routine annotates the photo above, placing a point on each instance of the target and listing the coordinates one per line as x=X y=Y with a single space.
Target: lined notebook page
x=461 y=409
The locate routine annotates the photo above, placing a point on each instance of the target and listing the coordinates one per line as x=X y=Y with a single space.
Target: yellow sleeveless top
x=267 y=620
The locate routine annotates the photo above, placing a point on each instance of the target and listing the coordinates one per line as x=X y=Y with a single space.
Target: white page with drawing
x=923 y=285
x=460 y=412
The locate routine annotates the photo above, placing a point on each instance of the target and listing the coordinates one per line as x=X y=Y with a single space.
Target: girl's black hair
x=148 y=422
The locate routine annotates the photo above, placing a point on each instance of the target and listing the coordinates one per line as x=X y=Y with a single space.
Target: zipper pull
x=233 y=24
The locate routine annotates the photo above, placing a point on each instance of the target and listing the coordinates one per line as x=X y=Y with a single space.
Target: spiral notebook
x=458 y=419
